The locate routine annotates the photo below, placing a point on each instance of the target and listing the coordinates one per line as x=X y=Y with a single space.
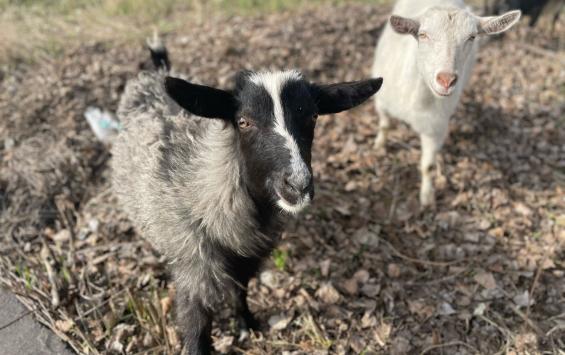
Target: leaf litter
x=366 y=271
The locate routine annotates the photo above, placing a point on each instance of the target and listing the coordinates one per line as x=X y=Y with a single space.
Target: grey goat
x=208 y=176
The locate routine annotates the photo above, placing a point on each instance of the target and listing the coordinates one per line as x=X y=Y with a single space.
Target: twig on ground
x=420 y=261
x=445 y=345
x=526 y=319
x=47 y=258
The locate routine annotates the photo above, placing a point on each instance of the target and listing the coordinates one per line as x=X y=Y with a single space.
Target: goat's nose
x=298 y=183
x=446 y=80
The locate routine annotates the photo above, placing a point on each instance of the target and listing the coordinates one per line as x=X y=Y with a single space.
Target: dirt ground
x=363 y=270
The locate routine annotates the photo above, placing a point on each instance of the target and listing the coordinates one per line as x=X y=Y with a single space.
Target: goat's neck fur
x=215 y=190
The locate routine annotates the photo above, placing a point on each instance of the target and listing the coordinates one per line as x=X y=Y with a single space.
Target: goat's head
x=446 y=37
x=274 y=115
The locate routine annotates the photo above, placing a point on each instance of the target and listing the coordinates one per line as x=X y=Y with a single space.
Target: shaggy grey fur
x=165 y=161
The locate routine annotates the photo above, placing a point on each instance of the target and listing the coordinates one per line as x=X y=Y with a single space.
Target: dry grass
x=39 y=30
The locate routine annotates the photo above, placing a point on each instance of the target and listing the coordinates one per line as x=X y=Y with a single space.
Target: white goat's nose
x=446 y=80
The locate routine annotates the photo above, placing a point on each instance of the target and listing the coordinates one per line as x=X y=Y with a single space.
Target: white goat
x=427 y=70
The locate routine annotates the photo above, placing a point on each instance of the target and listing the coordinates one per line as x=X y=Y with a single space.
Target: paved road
x=25 y=336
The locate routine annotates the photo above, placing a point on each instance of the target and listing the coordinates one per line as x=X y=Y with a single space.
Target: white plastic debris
x=102 y=123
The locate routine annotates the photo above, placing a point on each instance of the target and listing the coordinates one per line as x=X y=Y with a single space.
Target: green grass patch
x=280 y=257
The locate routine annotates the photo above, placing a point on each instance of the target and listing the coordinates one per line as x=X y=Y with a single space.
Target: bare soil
x=363 y=270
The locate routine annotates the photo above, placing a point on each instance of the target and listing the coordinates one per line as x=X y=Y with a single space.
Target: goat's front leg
x=384 y=127
x=245 y=319
x=195 y=322
x=430 y=148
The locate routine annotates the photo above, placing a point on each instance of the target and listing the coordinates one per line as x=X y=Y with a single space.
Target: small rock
x=525 y=342
x=484 y=224
x=522 y=209
x=497 y=232
x=269 y=279
x=64 y=325
x=480 y=309
x=93 y=225
x=328 y=294
x=382 y=334
x=368 y=321
x=370 y=290
x=224 y=344
x=366 y=236
x=362 y=276
x=62 y=236
x=523 y=299
x=445 y=309
x=400 y=346
x=279 y=322
x=325 y=267
x=393 y=270
x=358 y=344
x=350 y=186
x=485 y=279
x=471 y=237
x=351 y=286
x=420 y=308
x=148 y=340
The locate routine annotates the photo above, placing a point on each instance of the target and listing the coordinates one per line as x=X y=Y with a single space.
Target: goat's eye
x=243 y=123
x=315 y=118
x=471 y=38
x=423 y=36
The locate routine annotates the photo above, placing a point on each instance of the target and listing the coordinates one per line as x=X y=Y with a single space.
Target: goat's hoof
x=243 y=335
x=245 y=325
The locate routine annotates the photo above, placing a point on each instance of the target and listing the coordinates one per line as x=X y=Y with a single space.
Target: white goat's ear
x=404 y=25
x=497 y=24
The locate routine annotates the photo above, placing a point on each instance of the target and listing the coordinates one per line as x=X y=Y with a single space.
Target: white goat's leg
x=430 y=147
x=384 y=126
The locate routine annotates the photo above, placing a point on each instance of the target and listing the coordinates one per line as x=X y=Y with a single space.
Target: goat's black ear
x=339 y=97
x=201 y=100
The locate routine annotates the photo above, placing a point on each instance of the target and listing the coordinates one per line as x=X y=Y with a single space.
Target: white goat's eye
x=423 y=35
x=471 y=38
x=243 y=123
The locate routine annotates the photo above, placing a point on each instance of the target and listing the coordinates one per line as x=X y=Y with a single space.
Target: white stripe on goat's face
x=274 y=83
x=283 y=115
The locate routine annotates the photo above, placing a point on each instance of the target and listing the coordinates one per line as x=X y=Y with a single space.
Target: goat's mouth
x=290 y=205
x=442 y=93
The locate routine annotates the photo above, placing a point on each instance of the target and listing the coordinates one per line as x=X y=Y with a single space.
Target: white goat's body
x=407 y=96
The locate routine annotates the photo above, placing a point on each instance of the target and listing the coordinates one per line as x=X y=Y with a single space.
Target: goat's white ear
x=497 y=24
x=404 y=25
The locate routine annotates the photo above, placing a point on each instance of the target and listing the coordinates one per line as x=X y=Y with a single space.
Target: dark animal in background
x=208 y=176
x=532 y=8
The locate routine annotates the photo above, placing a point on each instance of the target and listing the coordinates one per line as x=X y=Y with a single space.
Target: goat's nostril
x=446 y=80
x=288 y=182
x=298 y=185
